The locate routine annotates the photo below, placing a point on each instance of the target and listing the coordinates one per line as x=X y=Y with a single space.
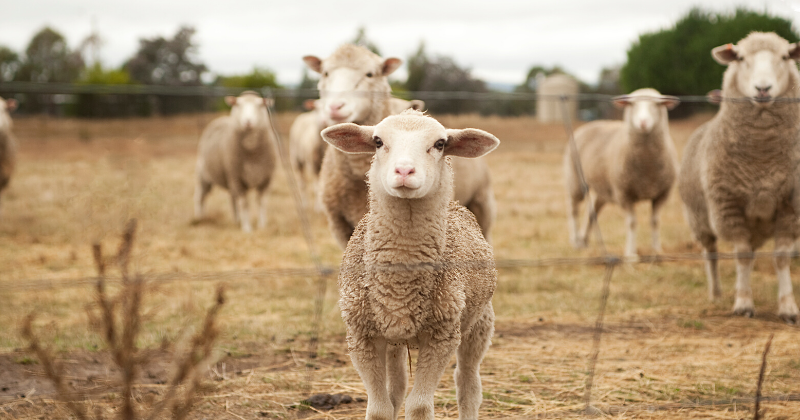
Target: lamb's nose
x=404 y=171
x=763 y=91
x=335 y=106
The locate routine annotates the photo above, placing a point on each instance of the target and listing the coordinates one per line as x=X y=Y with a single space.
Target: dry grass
x=665 y=344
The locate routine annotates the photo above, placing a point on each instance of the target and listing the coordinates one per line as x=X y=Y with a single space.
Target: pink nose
x=336 y=106
x=404 y=171
x=644 y=125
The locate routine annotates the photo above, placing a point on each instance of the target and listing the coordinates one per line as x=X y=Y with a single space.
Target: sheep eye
x=369 y=74
x=325 y=74
x=785 y=57
x=439 y=145
x=378 y=142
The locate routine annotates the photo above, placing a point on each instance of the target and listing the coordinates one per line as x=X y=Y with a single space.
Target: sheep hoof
x=579 y=243
x=745 y=312
x=790 y=319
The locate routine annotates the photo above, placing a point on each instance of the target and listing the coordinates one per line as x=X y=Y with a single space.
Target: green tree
x=256 y=79
x=97 y=75
x=9 y=64
x=677 y=61
x=173 y=62
x=48 y=59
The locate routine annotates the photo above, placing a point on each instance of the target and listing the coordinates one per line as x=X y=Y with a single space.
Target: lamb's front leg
x=434 y=355
x=787 y=306
x=370 y=363
x=630 y=223
x=469 y=356
x=397 y=375
x=744 y=266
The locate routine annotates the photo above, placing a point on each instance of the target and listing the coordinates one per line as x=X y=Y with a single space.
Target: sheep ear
x=417 y=104
x=268 y=102
x=725 y=54
x=621 y=101
x=230 y=100
x=469 y=143
x=313 y=62
x=390 y=65
x=308 y=104
x=794 y=51
x=11 y=104
x=715 y=96
x=669 y=101
x=350 y=138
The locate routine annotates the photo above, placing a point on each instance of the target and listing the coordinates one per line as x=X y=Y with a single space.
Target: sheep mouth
x=763 y=100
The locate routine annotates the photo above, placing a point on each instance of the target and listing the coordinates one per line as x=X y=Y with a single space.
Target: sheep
x=417 y=272
x=8 y=145
x=237 y=152
x=624 y=162
x=739 y=174
x=306 y=148
x=354 y=88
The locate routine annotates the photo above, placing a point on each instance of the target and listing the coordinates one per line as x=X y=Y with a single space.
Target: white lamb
x=237 y=152
x=8 y=145
x=417 y=271
x=624 y=162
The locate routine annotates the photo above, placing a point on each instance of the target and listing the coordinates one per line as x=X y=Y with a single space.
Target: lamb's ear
x=390 y=65
x=417 y=104
x=230 y=100
x=309 y=104
x=268 y=102
x=725 y=54
x=621 y=101
x=715 y=96
x=469 y=143
x=669 y=101
x=794 y=51
x=313 y=62
x=11 y=104
x=350 y=138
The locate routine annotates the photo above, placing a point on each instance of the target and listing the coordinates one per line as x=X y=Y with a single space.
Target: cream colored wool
x=624 y=164
x=8 y=144
x=739 y=175
x=306 y=149
x=237 y=158
x=417 y=273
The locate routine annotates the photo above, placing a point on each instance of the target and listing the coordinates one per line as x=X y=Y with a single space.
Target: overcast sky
x=499 y=40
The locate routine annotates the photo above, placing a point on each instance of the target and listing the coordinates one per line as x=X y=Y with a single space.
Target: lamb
x=417 y=271
x=739 y=174
x=237 y=152
x=624 y=162
x=354 y=88
x=306 y=148
x=8 y=144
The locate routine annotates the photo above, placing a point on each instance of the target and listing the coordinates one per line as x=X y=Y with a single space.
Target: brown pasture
x=666 y=351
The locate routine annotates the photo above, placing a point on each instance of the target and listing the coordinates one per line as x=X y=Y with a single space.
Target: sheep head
x=6 y=106
x=761 y=67
x=249 y=110
x=645 y=109
x=351 y=80
x=409 y=150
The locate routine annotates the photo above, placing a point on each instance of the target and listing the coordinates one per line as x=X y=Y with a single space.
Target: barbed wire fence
x=322 y=273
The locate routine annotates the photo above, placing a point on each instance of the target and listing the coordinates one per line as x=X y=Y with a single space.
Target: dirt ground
x=666 y=351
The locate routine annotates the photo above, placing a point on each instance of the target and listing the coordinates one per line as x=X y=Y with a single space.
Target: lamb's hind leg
x=370 y=363
x=397 y=378
x=787 y=307
x=573 y=210
x=712 y=262
x=744 y=266
x=201 y=191
x=591 y=219
x=654 y=222
x=469 y=356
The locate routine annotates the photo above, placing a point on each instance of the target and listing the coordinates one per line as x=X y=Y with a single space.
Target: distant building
x=549 y=108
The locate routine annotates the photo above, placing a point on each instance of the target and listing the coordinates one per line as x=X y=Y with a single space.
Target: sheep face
x=249 y=111
x=761 y=67
x=6 y=106
x=645 y=109
x=351 y=81
x=409 y=150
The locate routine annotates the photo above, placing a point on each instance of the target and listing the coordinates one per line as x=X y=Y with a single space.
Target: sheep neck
x=250 y=140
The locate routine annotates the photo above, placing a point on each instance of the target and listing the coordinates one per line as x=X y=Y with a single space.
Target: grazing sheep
x=739 y=175
x=417 y=271
x=8 y=145
x=624 y=162
x=354 y=88
x=237 y=152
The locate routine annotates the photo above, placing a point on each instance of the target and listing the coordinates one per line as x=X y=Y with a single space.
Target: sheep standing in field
x=739 y=175
x=237 y=152
x=624 y=162
x=417 y=271
x=354 y=88
x=8 y=145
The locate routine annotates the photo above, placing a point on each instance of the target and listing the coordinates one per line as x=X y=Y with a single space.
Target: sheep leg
x=243 y=212
x=630 y=224
x=655 y=216
x=597 y=203
x=787 y=307
x=744 y=266
x=262 y=208
x=468 y=362
x=201 y=191
x=712 y=273
x=396 y=369
x=431 y=363
x=484 y=209
x=573 y=210
x=370 y=363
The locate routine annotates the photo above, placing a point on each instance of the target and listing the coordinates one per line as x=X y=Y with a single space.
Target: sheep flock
x=411 y=204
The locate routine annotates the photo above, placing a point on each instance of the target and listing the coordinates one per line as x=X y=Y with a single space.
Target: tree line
x=674 y=60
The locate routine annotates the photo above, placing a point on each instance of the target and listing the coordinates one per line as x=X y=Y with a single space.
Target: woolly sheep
x=354 y=88
x=417 y=271
x=624 y=162
x=738 y=178
x=8 y=145
x=237 y=152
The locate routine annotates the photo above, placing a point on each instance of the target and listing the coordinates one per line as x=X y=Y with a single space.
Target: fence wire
x=322 y=273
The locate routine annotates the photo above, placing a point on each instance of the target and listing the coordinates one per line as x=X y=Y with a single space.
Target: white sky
x=499 y=40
